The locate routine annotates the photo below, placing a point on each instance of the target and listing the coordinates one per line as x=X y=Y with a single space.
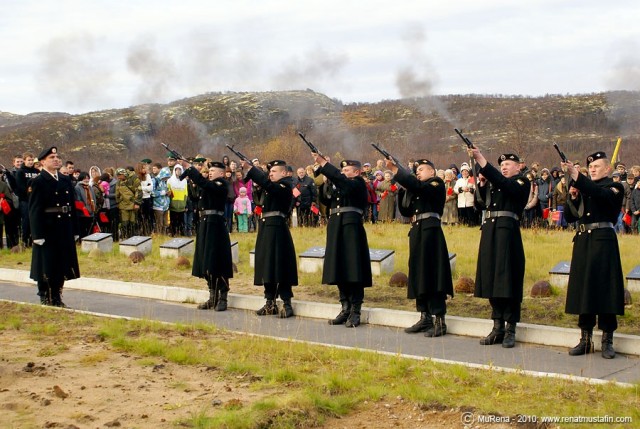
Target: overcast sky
x=83 y=55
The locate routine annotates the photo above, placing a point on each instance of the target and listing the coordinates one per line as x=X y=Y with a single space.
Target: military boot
x=424 y=324
x=56 y=299
x=211 y=302
x=496 y=336
x=607 y=345
x=509 y=340
x=354 y=316
x=221 y=305
x=344 y=313
x=45 y=300
x=438 y=329
x=270 y=307
x=585 y=345
x=286 y=310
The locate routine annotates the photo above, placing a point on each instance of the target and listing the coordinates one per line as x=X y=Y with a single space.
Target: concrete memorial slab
x=99 y=240
x=177 y=247
x=140 y=243
x=559 y=274
x=452 y=261
x=633 y=279
x=235 y=253
x=311 y=260
x=382 y=261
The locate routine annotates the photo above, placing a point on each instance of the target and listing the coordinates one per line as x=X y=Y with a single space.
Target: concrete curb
x=527 y=333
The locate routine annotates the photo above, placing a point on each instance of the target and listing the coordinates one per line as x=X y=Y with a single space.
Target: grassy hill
x=264 y=125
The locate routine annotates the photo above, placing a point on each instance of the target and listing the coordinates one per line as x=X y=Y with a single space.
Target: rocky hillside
x=265 y=125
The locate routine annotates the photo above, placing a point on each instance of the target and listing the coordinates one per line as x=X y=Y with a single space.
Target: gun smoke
x=415 y=81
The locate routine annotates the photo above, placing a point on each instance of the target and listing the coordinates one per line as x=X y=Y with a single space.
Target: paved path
x=465 y=350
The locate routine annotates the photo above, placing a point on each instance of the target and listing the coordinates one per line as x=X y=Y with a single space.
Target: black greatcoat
x=346 y=257
x=596 y=284
x=275 y=257
x=212 y=258
x=56 y=260
x=500 y=267
x=429 y=268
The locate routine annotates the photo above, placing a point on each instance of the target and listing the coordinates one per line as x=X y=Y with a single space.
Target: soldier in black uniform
x=275 y=257
x=346 y=260
x=596 y=285
x=212 y=259
x=500 y=268
x=54 y=228
x=429 y=269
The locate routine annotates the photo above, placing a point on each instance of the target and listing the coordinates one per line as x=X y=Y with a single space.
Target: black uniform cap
x=217 y=164
x=425 y=161
x=350 y=163
x=597 y=155
x=508 y=157
x=276 y=163
x=46 y=152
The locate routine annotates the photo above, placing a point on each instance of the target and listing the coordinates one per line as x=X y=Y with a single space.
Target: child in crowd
x=242 y=209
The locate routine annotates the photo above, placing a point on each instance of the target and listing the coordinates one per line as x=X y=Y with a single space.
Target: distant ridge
x=265 y=124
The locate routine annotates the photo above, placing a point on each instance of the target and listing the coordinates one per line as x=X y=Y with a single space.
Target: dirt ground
x=81 y=382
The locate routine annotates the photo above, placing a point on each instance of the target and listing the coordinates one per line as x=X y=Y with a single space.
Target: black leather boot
x=354 y=317
x=56 y=298
x=211 y=302
x=270 y=307
x=438 y=329
x=607 y=345
x=424 y=324
x=496 y=336
x=509 y=340
x=286 y=310
x=344 y=313
x=45 y=297
x=585 y=345
x=221 y=305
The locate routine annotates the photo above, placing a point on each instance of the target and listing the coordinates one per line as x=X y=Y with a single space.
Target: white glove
x=75 y=237
x=39 y=241
x=163 y=193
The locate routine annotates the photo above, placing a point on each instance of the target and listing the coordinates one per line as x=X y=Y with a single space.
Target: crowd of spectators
x=152 y=198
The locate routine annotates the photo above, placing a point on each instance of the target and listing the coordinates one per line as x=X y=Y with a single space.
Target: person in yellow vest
x=178 y=191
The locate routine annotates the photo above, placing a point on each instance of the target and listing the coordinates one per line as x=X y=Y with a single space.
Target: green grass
x=306 y=384
x=544 y=248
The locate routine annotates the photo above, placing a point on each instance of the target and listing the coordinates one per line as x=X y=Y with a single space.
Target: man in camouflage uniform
x=129 y=200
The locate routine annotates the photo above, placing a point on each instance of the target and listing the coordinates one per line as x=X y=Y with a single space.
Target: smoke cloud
x=73 y=70
x=417 y=80
x=156 y=72
x=309 y=71
x=624 y=83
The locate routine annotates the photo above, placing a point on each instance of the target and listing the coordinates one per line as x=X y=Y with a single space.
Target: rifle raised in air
x=465 y=139
x=173 y=153
x=563 y=157
x=238 y=154
x=390 y=157
x=313 y=148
